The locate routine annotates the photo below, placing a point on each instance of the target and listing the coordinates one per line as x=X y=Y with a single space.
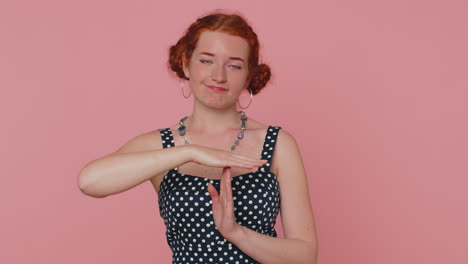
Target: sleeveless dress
x=186 y=208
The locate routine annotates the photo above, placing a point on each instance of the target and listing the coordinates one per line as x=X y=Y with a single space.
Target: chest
x=257 y=144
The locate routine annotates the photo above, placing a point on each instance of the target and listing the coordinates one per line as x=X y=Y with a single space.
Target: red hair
x=233 y=24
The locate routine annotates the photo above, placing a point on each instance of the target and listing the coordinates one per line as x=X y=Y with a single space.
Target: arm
x=300 y=244
x=134 y=163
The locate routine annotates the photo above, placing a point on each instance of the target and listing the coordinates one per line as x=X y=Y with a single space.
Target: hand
x=221 y=158
x=223 y=206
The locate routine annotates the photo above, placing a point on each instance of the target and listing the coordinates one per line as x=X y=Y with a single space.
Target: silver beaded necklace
x=240 y=135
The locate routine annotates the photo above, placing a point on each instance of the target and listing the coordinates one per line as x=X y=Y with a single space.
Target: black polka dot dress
x=186 y=208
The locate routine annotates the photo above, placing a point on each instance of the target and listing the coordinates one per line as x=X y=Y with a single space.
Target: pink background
x=374 y=91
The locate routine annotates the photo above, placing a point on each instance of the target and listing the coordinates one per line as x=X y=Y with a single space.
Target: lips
x=221 y=89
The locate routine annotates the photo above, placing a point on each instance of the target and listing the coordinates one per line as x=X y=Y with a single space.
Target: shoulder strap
x=269 y=145
x=267 y=150
x=167 y=141
x=166 y=137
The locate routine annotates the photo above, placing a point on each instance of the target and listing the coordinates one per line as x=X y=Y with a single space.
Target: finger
x=213 y=193
x=228 y=184
x=247 y=159
x=229 y=210
x=221 y=188
x=244 y=164
x=228 y=189
x=242 y=157
x=215 y=199
x=225 y=178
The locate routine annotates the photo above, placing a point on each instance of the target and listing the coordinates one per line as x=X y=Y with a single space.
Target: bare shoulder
x=286 y=150
x=285 y=140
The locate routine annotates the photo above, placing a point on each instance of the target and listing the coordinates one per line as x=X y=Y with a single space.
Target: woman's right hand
x=221 y=158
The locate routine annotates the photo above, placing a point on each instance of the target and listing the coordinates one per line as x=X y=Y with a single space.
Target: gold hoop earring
x=251 y=96
x=182 y=87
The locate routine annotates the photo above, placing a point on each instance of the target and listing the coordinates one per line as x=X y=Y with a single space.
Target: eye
x=204 y=61
x=236 y=67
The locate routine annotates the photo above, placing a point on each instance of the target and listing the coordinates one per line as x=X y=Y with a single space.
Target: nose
x=218 y=73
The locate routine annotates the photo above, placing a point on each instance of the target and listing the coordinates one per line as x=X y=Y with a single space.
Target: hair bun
x=260 y=78
x=233 y=24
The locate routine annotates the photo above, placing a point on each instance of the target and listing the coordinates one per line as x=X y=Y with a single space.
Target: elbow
x=85 y=185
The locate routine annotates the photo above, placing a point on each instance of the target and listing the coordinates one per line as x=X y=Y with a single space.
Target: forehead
x=222 y=44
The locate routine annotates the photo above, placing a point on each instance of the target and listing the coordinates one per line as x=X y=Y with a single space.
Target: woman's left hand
x=223 y=206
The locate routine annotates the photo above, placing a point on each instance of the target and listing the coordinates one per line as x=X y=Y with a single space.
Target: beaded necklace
x=240 y=135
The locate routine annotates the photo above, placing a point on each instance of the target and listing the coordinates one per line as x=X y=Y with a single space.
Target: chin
x=217 y=103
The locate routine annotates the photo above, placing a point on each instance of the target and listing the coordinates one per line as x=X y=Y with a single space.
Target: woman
x=221 y=177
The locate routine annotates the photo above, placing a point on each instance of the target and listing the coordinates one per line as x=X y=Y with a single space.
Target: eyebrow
x=231 y=58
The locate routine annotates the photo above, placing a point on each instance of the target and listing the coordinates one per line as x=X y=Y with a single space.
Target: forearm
x=116 y=173
x=272 y=250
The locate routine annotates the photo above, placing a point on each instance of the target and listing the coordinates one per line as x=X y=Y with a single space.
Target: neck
x=208 y=121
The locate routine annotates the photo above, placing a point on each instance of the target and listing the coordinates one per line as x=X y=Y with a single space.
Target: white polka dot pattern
x=185 y=207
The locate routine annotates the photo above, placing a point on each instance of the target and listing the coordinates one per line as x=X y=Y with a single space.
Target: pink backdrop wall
x=374 y=91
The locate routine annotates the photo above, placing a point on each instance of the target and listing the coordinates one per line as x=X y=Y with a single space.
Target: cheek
x=200 y=72
x=239 y=78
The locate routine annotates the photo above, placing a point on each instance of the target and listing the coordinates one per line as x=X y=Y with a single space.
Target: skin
x=299 y=244
x=213 y=123
x=213 y=107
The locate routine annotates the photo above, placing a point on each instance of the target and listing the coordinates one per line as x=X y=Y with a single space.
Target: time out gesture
x=223 y=204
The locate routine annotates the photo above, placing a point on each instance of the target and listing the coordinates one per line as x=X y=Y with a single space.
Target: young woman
x=221 y=177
